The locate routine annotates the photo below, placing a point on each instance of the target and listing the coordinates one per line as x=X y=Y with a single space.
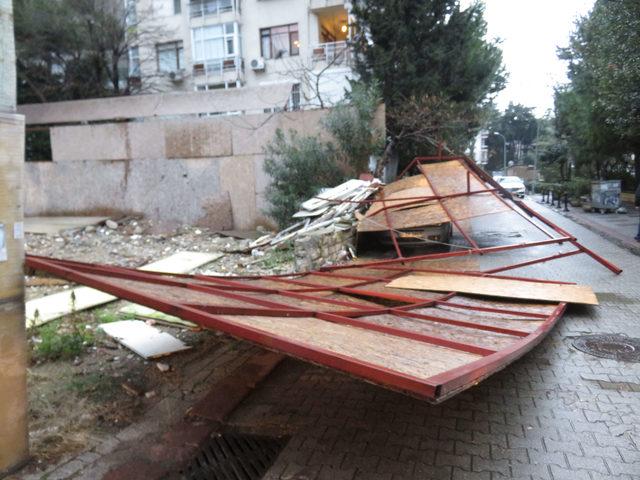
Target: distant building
x=480 y=151
x=213 y=44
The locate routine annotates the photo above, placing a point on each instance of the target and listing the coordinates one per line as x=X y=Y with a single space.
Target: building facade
x=187 y=45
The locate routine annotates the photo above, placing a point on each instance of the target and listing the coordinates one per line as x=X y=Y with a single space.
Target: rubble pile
x=324 y=234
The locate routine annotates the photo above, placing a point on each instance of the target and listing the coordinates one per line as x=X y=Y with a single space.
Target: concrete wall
x=201 y=171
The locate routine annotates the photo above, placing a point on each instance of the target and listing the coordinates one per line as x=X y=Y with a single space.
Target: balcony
x=203 y=8
x=218 y=70
x=333 y=54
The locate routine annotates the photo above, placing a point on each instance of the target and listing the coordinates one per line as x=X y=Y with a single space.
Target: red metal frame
x=241 y=296
x=217 y=316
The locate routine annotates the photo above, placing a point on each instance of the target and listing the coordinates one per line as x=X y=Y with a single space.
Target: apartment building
x=211 y=44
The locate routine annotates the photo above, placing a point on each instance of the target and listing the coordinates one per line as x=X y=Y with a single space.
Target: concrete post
x=13 y=352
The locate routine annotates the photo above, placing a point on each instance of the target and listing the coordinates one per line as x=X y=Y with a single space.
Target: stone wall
x=199 y=171
x=323 y=247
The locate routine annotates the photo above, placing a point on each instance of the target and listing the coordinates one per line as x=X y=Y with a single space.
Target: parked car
x=513 y=185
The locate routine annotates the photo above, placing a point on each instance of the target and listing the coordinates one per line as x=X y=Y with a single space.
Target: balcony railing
x=218 y=67
x=211 y=7
x=333 y=53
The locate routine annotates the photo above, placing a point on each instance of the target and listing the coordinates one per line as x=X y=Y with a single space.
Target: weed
x=55 y=342
x=277 y=258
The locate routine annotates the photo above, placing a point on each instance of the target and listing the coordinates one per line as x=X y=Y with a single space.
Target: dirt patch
x=83 y=386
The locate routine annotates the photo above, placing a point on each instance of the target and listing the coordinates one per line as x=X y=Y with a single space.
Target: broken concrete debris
x=332 y=210
x=143 y=339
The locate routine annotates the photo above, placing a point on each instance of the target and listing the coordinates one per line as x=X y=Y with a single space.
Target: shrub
x=299 y=167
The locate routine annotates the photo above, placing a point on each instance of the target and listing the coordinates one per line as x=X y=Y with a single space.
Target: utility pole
x=535 y=158
x=14 y=447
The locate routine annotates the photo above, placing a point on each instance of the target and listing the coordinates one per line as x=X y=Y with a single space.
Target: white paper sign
x=18 y=230
x=3 y=244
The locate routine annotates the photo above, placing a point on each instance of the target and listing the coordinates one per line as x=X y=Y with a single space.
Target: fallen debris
x=146 y=341
x=163 y=367
x=512 y=287
x=352 y=317
x=332 y=210
x=51 y=307
x=57 y=225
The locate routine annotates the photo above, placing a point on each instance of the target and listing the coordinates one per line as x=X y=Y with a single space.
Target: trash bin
x=605 y=195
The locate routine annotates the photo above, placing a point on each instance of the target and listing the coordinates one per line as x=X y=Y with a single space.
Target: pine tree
x=428 y=48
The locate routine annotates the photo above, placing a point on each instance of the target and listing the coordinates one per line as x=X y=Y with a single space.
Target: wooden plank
x=401 y=355
x=497 y=287
x=146 y=313
x=51 y=307
x=143 y=339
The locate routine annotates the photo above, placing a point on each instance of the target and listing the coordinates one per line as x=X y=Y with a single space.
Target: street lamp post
x=504 y=152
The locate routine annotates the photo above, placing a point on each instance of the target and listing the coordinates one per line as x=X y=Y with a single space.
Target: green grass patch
x=57 y=341
x=277 y=258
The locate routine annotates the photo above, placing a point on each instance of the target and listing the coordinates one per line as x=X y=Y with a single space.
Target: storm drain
x=233 y=456
x=613 y=346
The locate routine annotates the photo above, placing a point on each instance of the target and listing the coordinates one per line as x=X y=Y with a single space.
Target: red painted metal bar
x=392 y=232
x=374 y=373
x=499 y=188
x=449 y=383
x=451 y=217
x=614 y=268
x=286 y=310
x=435 y=256
x=462 y=323
x=534 y=261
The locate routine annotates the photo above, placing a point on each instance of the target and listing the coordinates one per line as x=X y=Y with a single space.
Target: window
x=131 y=15
x=199 y=8
x=134 y=62
x=177 y=7
x=38 y=144
x=278 y=42
x=215 y=42
x=295 y=97
x=170 y=56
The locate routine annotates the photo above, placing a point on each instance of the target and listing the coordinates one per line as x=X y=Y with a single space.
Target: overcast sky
x=530 y=31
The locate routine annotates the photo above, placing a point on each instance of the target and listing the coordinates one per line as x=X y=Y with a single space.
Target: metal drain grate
x=234 y=457
x=612 y=346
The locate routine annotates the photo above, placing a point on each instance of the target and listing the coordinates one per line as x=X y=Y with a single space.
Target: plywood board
x=497 y=287
x=143 y=339
x=51 y=307
x=146 y=313
x=401 y=355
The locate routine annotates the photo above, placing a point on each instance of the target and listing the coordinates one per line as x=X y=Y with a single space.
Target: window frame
x=178 y=48
x=293 y=35
x=225 y=36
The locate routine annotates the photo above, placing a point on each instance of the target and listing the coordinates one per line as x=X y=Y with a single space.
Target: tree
x=519 y=127
x=598 y=112
x=71 y=49
x=300 y=166
x=433 y=52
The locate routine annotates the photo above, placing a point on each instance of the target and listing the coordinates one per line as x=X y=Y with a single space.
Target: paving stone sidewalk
x=557 y=413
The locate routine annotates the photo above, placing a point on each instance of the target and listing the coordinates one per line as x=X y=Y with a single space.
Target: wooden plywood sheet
x=51 y=307
x=404 y=218
x=401 y=355
x=450 y=178
x=497 y=287
x=143 y=339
